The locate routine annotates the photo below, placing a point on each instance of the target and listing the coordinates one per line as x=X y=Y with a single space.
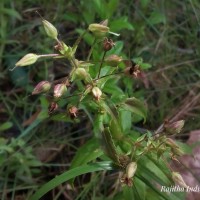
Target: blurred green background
x=166 y=34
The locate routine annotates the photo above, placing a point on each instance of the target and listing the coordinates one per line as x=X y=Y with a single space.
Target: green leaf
x=69 y=175
x=128 y=192
x=6 y=126
x=144 y=3
x=11 y=12
x=157 y=18
x=88 y=152
x=135 y=106
x=140 y=187
x=121 y=23
x=125 y=120
x=145 y=65
x=112 y=7
x=115 y=129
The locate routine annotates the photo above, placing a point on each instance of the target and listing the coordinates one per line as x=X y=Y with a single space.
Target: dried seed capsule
x=131 y=169
x=96 y=93
x=50 y=29
x=59 y=90
x=43 y=86
x=177 y=178
x=28 y=59
x=108 y=44
x=113 y=60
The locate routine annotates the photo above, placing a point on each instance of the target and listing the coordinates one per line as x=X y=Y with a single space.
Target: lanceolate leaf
x=136 y=106
x=69 y=175
x=88 y=152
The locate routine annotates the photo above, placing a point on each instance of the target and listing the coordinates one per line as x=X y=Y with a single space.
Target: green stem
x=80 y=38
x=50 y=55
x=91 y=49
x=104 y=54
x=73 y=62
x=108 y=75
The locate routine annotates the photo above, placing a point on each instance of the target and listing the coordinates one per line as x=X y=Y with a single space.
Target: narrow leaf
x=136 y=106
x=69 y=175
x=88 y=152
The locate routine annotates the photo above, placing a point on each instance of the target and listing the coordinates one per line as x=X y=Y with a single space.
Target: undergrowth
x=37 y=145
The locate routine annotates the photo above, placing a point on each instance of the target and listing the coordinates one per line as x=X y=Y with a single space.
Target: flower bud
x=59 y=90
x=43 y=86
x=99 y=30
x=28 y=59
x=96 y=93
x=131 y=169
x=113 y=60
x=177 y=178
x=174 y=127
x=50 y=29
x=82 y=74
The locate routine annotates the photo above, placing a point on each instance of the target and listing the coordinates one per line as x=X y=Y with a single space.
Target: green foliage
x=90 y=92
x=16 y=157
x=148 y=34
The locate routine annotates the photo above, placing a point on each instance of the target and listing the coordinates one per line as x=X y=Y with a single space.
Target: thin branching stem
x=104 y=54
x=91 y=49
x=113 y=74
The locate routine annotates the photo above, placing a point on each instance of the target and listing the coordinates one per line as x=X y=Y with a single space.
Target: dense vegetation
x=38 y=142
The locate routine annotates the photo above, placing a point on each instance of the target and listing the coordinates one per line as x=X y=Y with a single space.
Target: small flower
x=127 y=181
x=177 y=178
x=134 y=71
x=113 y=60
x=73 y=111
x=50 y=29
x=43 y=86
x=28 y=59
x=52 y=107
x=59 y=90
x=96 y=93
x=108 y=44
